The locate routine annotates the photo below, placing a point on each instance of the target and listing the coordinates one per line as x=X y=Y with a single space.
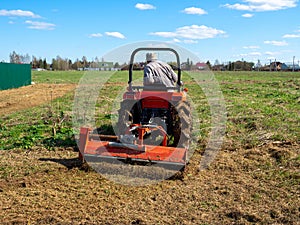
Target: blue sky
x=224 y=30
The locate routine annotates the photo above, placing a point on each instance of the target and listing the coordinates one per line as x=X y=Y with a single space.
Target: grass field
x=253 y=180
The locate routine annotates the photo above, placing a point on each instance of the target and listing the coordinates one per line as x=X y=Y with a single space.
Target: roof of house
x=200 y=64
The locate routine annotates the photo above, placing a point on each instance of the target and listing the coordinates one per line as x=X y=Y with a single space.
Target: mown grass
x=57 y=76
x=261 y=107
x=259 y=185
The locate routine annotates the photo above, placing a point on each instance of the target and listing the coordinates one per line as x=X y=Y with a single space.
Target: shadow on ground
x=68 y=163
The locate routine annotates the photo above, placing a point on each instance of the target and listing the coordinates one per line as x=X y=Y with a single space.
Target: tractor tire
x=125 y=117
x=182 y=125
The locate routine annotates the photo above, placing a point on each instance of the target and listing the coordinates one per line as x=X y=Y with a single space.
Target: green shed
x=14 y=75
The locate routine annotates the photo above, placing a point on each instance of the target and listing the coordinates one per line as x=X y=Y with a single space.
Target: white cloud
x=191 y=32
x=142 y=6
x=241 y=55
x=250 y=54
x=18 y=12
x=190 y=41
x=255 y=54
x=276 y=43
x=96 y=35
x=115 y=34
x=251 y=47
x=272 y=53
x=40 y=25
x=291 y=36
x=248 y=15
x=262 y=5
x=237 y=7
x=272 y=58
x=175 y=40
x=194 y=10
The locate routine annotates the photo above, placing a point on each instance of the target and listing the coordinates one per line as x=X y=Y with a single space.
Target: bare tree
x=19 y=58
x=14 y=57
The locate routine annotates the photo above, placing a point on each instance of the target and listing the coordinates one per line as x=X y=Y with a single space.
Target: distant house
x=274 y=66
x=290 y=67
x=278 y=66
x=219 y=67
x=284 y=67
x=38 y=69
x=100 y=66
x=201 y=66
x=106 y=65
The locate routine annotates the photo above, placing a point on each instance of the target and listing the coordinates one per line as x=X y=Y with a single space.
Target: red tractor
x=154 y=125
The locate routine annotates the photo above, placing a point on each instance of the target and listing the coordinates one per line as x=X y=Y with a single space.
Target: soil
x=253 y=186
x=258 y=185
x=13 y=100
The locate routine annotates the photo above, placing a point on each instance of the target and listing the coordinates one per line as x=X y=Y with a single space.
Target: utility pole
x=293 y=63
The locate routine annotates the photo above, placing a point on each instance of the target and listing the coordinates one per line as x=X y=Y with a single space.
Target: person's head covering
x=151 y=57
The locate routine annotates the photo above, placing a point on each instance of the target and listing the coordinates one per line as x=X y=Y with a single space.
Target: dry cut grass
x=253 y=180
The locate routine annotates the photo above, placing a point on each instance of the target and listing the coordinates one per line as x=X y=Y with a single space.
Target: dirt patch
x=29 y=96
x=240 y=187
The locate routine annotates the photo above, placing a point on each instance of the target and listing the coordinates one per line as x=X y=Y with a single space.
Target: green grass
x=38 y=126
x=261 y=106
x=56 y=76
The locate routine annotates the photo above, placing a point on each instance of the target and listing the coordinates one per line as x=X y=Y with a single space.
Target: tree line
x=57 y=63
x=60 y=63
x=239 y=65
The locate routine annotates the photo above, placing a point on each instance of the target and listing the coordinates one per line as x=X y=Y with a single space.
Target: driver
x=157 y=72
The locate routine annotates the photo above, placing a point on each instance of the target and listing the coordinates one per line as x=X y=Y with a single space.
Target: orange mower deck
x=92 y=148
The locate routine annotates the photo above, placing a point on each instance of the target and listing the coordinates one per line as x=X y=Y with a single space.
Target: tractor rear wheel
x=182 y=125
x=125 y=117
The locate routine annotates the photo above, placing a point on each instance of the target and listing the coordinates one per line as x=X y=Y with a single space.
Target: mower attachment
x=98 y=148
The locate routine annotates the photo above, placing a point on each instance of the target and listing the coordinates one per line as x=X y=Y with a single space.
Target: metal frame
x=154 y=49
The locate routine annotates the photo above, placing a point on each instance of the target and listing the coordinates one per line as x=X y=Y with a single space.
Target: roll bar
x=154 y=49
